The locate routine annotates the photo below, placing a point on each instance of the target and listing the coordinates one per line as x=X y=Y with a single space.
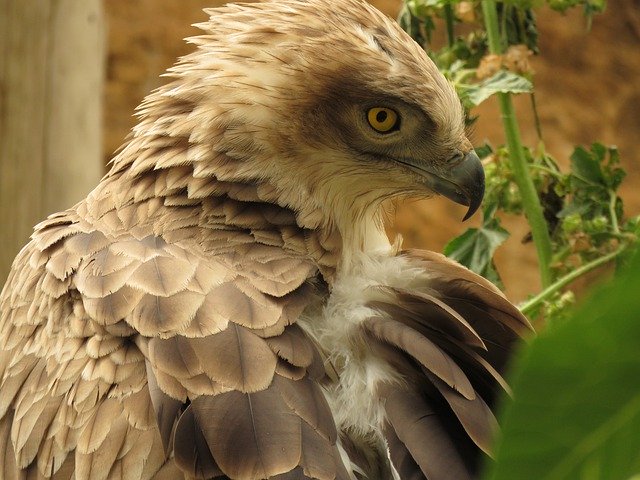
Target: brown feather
x=438 y=315
x=293 y=346
x=166 y=408
x=480 y=372
x=285 y=369
x=139 y=410
x=245 y=305
x=317 y=458
x=97 y=464
x=367 y=455
x=295 y=474
x=265 y=440
x=30 y=430
x=163 y=316
x=305 y=398
x=93 y=284
x=142 y=250
x=423 y=350
x=96 y=429
x=207 y=321
x=51 y=456
x=133 y=456
x=175 y=356
x=439 y=264
x=419 y=427
x=162 y=276
x=191 y=451
x=66 y=471
x=8 y=467
x=236 y=358
x=474 y=415
x=400 y=456
x=169 y=471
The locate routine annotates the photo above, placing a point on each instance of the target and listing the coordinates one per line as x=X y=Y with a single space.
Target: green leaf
x=484 y=150
x=576 y=407
x=501 y=82
x=475 y=248
x=586 y=165
x=595 y=176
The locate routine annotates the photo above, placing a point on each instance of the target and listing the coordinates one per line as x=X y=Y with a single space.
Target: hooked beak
x=463 y=182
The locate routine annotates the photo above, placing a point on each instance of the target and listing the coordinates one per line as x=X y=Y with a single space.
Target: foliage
x=576 y=407
x=501 y=82
x=476 y=246
x=581 y=374
x=580 y=208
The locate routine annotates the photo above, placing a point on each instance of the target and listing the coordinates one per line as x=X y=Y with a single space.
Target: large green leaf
x=576 y=407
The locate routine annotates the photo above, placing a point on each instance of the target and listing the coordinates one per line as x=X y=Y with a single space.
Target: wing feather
x=191 y=450
x=449 y=336
x=266 y=438
x=423 y=350
x=419 y=427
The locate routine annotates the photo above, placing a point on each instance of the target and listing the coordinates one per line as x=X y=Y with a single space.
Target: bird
x=226 y=304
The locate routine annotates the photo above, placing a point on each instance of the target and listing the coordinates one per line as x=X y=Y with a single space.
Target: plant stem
x=612 y=212
x=448 y=15
x=550 y=171
x=534 y=108
x=528 y=306
x=530 y=200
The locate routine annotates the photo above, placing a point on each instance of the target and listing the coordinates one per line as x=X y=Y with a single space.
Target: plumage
x=225 y=303
x=422 y=350
x=265 y=439
x=419 y=427
x=192 y=452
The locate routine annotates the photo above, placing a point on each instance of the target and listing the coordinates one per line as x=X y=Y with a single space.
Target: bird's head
x=328 y=101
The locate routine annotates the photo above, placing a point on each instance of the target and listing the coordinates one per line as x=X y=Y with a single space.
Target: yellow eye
x=383 y=120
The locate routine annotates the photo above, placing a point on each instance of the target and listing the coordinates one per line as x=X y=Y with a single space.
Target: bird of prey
x=225 y=304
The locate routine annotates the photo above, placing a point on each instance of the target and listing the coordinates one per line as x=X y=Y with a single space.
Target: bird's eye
x=383 y=120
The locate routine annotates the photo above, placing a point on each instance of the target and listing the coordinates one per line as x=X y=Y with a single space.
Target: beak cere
x=464 y=183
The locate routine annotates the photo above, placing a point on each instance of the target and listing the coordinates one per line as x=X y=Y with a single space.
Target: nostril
x=456 y=158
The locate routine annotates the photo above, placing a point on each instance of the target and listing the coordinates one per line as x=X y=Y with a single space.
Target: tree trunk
x=51 y=79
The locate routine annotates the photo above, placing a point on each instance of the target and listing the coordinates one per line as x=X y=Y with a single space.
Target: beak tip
x=475 y=184
x=468 y=215
x=475 y=200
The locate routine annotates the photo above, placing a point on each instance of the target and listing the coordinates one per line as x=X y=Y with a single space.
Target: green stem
x=528 y=306
x=530 y=200
x=506 y=9
x=536 y=118
x=612 y=212
x=448 y=15
x=550 y=171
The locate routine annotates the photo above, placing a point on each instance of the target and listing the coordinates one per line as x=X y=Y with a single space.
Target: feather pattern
x=435 y=403
x=225 y=303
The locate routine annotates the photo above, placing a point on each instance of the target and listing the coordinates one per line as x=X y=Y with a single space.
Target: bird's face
x=335 y=105
x=389 y=143
x=365 y=114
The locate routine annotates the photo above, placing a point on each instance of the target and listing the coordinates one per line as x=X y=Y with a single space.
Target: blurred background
x=73 y=71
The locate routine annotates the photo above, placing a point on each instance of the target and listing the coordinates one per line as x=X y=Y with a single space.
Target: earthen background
x=587 y=89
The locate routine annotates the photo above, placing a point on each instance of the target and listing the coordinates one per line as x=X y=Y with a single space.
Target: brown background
x=587 y=88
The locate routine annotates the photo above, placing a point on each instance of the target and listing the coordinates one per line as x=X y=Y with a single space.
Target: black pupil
x=381 y=116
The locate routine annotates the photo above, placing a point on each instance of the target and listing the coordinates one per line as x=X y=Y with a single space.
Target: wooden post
x=52 y=58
